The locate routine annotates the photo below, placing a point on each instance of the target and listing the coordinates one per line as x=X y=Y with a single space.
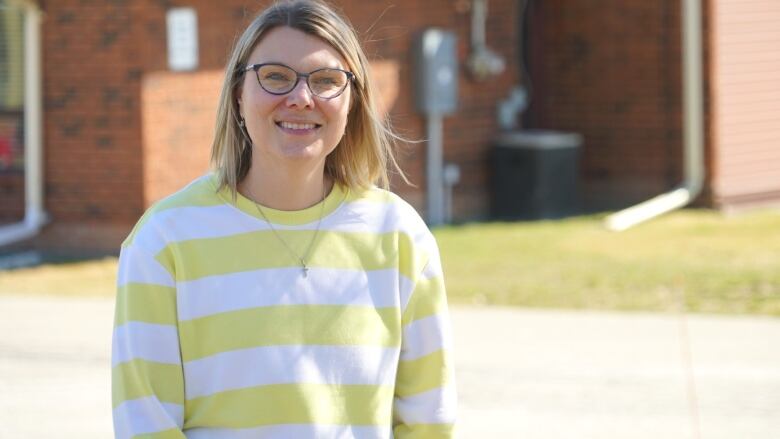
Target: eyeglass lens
x=325 y=83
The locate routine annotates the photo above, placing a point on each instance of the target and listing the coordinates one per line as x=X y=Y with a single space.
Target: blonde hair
x=362 y=156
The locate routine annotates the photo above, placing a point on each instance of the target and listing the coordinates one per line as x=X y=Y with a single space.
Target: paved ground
x=521 y=373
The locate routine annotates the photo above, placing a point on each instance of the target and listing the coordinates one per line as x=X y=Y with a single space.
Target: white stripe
x=290 y=364
x=365 y=217
x=146 y=415
x=137 y=265
x=285 y=286
x=425 y=336
x=437 y=406
x=291 y=431
x=147 y=341
x=197 y=222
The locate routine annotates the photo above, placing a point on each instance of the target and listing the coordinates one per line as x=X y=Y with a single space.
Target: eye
x=328 y=78
x=276 y=76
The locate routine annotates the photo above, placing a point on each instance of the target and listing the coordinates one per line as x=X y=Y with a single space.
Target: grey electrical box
x=436 y=71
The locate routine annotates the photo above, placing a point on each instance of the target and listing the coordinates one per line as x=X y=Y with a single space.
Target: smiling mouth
x=297 y=126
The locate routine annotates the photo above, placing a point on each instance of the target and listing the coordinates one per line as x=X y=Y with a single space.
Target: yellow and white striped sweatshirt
x=219 y=335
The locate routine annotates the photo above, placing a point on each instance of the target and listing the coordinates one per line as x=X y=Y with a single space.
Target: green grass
x=86 y=278
x=697 y=259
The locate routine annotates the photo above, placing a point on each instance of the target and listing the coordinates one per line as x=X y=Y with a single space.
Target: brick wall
x=11 y=196
x=108 y=91
x=116 y=119
x=468 y=132
x=93 y=65
x=610 y=70
x=178 y=124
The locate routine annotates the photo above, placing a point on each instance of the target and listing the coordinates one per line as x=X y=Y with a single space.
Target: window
x=11 y=86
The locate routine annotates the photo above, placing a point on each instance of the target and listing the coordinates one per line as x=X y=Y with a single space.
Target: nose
x=300 y=96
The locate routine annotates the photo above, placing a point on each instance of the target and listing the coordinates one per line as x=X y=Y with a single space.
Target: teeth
x=297 y=126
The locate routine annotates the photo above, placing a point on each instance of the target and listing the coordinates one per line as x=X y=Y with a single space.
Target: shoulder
x=198 y=193
x=151 y=227
x=389 y=203
x=391 y=213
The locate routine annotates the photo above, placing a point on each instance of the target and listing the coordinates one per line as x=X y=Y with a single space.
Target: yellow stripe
x=139 y=378
x=263 y=249
x=427 y=299
x=424 y=431
x=296 y=217
x=375 y=195
x=422 y=374
x=293 y=404
x=148 y=303
x=173 y=433
x=293 y=324
x=166 y=259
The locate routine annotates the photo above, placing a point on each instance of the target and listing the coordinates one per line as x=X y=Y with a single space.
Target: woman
x=284 y=295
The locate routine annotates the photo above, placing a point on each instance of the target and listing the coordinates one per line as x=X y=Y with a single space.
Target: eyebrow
x=337 y=66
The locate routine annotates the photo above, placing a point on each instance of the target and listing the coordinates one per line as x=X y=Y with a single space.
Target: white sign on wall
x=182 y=26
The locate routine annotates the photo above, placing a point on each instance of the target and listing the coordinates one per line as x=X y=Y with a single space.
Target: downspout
x=34 y=215
x=693 y=130
x=482 y=62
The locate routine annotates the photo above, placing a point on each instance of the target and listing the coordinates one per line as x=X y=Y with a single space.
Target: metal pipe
x=482 y=62
x=693 y=131
x=478 y=19
x=435 y=178
x=34 y=215
x=451 y=177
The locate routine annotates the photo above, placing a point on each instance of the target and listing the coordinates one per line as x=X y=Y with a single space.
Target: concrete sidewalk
x=521 y=373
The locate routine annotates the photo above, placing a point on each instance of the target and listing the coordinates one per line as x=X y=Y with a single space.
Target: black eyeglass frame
x=298 y=76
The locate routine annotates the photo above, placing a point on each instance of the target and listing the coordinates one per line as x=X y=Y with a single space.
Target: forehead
x=296 y=49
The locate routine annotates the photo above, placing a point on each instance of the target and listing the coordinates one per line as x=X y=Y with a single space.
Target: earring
x=241 y=122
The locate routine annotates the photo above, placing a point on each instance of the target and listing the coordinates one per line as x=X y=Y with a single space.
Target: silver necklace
x=301 y=259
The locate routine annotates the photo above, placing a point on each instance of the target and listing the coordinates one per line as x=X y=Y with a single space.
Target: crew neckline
x=310 y=214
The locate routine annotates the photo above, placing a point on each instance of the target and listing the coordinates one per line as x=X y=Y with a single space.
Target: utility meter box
x=435 y=71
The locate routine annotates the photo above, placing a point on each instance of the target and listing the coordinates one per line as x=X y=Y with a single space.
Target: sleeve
x=425 y=399
x=147 y=382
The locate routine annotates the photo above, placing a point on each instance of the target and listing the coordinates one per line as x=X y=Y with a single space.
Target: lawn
x=698 y=259
x=694 y=258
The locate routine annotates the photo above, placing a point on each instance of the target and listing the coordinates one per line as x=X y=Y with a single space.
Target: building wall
x=122 y=131
x=745 y=45
x=95 y=57
x=117 y=122
x=175 y=149
x=11 y=196
x=611 y=71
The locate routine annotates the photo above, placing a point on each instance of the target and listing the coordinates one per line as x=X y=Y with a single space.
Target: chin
x=302 y=152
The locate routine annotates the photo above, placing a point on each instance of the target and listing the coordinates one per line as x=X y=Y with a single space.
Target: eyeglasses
x=278 y=79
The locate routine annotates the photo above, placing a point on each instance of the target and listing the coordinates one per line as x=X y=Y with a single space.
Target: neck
x=285 y=189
